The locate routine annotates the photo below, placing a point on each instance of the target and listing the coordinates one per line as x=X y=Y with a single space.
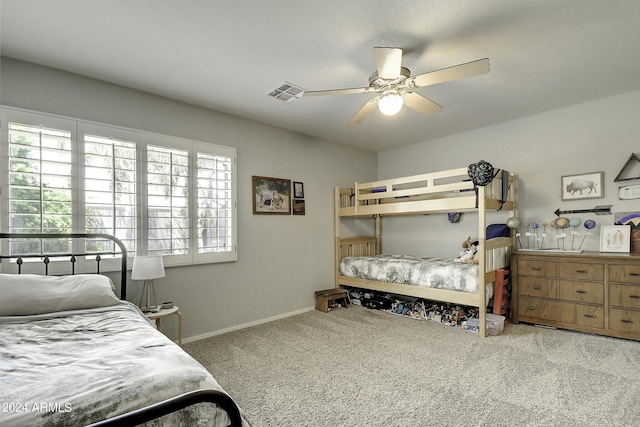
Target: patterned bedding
x=75 y=367
x=438 y=273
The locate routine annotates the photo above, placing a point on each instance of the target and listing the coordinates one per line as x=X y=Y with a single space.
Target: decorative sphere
x=554 y=223
x=574 y=222
x=589 y=224
x=562 y=222
x=513 y=222
x=535 y=225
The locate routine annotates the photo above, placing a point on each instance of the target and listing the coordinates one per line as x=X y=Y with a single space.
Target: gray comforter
x=77 y=367
x=438 y=273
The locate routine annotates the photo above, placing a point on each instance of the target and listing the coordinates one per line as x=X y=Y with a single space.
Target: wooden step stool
x=335 y=294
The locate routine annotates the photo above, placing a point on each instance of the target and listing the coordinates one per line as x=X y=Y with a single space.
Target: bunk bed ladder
x=502 y=294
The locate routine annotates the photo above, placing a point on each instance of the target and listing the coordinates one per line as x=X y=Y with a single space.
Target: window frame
x=104 y=131
x=78 y=129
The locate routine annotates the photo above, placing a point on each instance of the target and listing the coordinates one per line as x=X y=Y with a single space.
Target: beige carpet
x=360 y=367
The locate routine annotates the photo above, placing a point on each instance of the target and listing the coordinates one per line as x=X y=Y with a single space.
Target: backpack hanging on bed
x=497 y=230
x=481 y=173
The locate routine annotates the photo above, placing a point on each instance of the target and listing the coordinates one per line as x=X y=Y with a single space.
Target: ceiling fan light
x=390 y=103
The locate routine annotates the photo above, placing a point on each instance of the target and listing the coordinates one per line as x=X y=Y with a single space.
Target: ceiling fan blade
x=335 y=91
x=457 y=72
x=422 y=105
x=388 y=62
x=364 y=111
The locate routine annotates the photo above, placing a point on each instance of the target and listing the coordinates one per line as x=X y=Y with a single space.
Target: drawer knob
x=581 y=292
x=536 y=268
x=581 y=271
x=589 y=315
x=536 y=287
x=626 y=321
x=634 y=274
x=530 y=307
x=634 y=296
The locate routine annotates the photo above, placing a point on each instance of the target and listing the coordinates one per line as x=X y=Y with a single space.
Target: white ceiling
x=226 y=55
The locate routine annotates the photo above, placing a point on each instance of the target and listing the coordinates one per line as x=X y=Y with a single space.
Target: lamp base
x=148 y=296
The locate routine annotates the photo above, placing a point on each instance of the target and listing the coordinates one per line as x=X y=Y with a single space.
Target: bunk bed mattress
x=440 y=273
x=76 y=367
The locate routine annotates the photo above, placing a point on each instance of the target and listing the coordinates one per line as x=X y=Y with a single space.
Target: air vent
x=286 y=92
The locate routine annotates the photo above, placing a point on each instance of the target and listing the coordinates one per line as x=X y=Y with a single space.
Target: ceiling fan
x=394 y=85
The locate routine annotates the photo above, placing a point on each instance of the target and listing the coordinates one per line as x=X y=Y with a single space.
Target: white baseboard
x=246 y=325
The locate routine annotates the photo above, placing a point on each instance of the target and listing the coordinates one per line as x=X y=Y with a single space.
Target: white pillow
x=26 y=294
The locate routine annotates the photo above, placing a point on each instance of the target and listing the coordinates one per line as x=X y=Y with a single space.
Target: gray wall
x=282 y=260
x=590 y=137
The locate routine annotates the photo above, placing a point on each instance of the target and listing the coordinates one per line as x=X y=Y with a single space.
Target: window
x=40 y=188
x=215 y=202
x=158 y=194
x=168 y=200
x=108 y=185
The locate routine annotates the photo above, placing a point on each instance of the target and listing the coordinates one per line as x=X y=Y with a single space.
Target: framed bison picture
x=584 y=186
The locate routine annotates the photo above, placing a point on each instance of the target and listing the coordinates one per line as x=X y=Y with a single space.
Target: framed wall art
x=298 y=190
x=271 y=195
x=615 y=238
x=298 y=207
x=584 y=186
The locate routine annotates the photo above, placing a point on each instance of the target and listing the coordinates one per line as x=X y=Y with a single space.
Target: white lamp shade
x=390 y=103
x=147 y=268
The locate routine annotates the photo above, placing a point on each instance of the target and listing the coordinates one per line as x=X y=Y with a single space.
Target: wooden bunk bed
x=444 y=192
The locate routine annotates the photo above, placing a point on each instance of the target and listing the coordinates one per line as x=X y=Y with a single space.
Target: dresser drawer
x=624 y=320
x=537 y=268
x=537 y=287
x=584 y=292
x=536 y=308
x=624 y=273
x=591 y=272
x=564 y=312
x=589 y=315
x=624 y=296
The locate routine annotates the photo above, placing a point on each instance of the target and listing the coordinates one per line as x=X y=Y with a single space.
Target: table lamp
x=147 y=268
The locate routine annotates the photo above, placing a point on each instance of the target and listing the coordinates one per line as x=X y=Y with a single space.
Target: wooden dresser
x=590 y=292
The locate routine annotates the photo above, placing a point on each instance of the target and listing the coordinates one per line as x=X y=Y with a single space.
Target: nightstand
x=165 y=312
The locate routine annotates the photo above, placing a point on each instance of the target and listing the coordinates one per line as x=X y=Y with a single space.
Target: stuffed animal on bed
x=470 y=253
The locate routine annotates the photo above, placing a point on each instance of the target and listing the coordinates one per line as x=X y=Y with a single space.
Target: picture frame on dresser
x=615 y=238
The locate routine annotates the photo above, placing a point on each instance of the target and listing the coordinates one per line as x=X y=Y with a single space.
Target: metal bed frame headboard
x=72 y=256
x=159 y=409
